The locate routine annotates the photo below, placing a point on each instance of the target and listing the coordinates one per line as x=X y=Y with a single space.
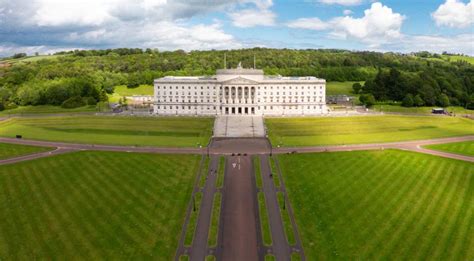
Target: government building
x=240 y=91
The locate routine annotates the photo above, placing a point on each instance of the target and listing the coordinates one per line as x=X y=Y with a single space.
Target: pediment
x=240 y=80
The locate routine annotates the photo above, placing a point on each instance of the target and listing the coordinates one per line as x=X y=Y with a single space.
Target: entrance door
x=233 y=110
x=240 y=110
x=246 y=110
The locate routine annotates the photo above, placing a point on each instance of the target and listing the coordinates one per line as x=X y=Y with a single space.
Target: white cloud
x=463 y=43
x=252 y=17
x=83 y=12
x=341 y=2
x=347 y=12
x=309 y=24
x=378 y=25
x=454 y=13
x=29 y=25
x=261 y=15
x=162 y=35
x=7 y=50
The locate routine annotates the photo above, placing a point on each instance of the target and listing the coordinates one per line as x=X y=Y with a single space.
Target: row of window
x=294 y=107
x=230 y=87
x=265 y=99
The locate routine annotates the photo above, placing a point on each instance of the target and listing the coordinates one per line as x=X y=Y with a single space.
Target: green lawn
x=95 y=206
x=463 y=148
x=455 y=58
x=34 y=58
x=122 y=90
x=340 y=88
x=116 y=130
x=143 y=89
x=382 y=205
x=422 y=110
x=363 y=129
x=44 y=109
x=14 y=150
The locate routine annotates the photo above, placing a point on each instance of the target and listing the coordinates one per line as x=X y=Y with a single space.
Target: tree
x=2 y=107
x=367 y=99
x=443 y=100
x=408 y=101
x=19 y=55
x=418 y=101
x=470 y=102
x=356 y=87
x=73 y=102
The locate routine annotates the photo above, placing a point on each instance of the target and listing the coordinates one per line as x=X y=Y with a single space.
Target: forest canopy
x=91 y=74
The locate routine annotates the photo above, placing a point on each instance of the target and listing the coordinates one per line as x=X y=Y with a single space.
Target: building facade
x=240 y=91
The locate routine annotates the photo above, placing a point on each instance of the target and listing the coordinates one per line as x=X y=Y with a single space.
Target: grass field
x=463 y=148
x=455 y=58
x=382 y=205
x=140 y=90
x=423 y=110
x=368 y=129
x=14 y=150
x=33 y=58
x=340 y=88
x=95 y=205
x=121 y=90
x=44 y=109
x=140 y=131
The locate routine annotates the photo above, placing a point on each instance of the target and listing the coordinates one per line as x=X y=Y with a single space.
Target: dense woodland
x=91 y=74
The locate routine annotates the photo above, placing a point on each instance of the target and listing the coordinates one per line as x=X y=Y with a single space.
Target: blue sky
x=47 y=26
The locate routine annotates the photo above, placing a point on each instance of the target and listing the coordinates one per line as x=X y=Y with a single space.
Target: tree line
x=91 y=74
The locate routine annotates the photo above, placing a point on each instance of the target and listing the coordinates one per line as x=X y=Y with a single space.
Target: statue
x=239 y=66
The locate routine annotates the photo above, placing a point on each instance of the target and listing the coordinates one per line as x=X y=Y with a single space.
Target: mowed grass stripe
x=15 y=150
x=397 y=205
x=363 y=129
x=95 y=205
x=416 y=214
x=387 y=192
x=139 y=131
x=117 y=191
x=399 y=224
x=463 y=148
x=450 y=216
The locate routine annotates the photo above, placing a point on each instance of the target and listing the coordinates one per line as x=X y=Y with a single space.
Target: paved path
x=57 y=151
x=415 y=146
x=239 y=224
x=182 y=249
x=280 y=246
x=225 y=146
x=199 y=249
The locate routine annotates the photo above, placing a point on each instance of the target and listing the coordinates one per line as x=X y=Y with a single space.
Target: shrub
x=443 y=100
x=408 y=101
x=418 y=101
x=367 y=99
x=11 y=105
x=90 y=101
x=73 y=102
x=2 y=107
x=357 y=87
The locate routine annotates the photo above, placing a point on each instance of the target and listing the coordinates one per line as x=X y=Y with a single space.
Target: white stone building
x=240 y=92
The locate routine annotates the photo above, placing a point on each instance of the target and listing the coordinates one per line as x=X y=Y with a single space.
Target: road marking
x=234 y=164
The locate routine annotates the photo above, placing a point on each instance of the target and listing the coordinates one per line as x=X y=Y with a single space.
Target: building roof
x=225 y=75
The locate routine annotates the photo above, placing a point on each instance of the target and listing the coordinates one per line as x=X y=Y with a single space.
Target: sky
x=48 y=26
